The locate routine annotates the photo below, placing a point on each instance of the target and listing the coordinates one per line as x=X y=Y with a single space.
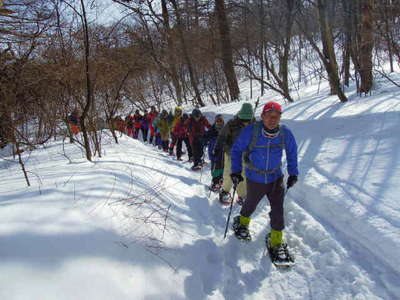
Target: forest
x=56 y=57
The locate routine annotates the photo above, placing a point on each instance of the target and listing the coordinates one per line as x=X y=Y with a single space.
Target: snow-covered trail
x=233 y=270
x=324 y=269
x=92 y=230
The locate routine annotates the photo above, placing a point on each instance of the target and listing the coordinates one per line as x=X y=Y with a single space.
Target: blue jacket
x=266 y=159
x=210 y=139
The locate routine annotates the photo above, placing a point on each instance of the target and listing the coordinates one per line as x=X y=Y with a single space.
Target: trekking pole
x=202 y=163
x=212 y=170
x=230 y=209
x=286 y=191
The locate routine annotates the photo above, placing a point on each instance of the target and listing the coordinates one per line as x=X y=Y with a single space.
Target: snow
x=137 y=224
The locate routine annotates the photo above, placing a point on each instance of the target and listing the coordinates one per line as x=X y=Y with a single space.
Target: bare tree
x=226 y=50
x=327 y=54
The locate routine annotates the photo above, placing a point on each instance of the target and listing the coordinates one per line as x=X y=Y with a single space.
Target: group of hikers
x=244 y=153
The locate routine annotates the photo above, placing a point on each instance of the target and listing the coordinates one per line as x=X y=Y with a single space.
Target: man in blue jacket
x=261 y=145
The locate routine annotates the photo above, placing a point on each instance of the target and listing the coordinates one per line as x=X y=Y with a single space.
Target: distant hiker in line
x=151 y=117
x=158 y=142
x=137 y=117
x=164 y=128
x=176 y=118
x=73 y=121
x=196 y=126
x=181 y=134
x=119 y=124
x=224 y=143
x=144 y=126
x=216 y=158
x=129 y=125
x=262 y=144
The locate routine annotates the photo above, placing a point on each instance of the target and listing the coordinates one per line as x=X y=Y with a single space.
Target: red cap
x=272 y=106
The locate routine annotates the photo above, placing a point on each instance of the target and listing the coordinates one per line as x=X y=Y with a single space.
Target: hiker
x=144 y=126
x=177 y=116
x=73 y=121
x=224 y=144
x=151 y=117
x=119 y=124
x=164 y=128
x=262 y=144
x=196 y=126
x=181 y=134
x=137 y=117
x=216 y=158
x=129 y=125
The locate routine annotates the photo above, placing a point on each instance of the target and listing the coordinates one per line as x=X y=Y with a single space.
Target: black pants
x=144 y=133
x=275 y=194
x=179 y=147
x=197 y=148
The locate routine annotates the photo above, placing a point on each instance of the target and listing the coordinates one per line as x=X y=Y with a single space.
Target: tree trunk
x=171 y=53
x=88 y=86
x=226 y=50
x=192 y=75
x=347 y=7
x=367 y=45
x=284 y=59
x=329 y=57
x=21 y=163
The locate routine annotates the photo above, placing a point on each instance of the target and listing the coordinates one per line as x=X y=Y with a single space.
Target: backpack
x=249 y=164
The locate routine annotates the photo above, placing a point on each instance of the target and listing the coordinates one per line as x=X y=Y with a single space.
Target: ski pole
x=230 y=209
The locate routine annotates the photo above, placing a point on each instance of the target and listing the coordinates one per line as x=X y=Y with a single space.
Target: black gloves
x=236 y=178
x=291 y=181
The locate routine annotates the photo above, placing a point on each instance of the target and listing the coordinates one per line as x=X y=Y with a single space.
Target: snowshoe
x=178 y=158
x=196 y=167
x=240 y=201
x=280 y=255
x=225 y=198
x=241 y=231
x=215 y=187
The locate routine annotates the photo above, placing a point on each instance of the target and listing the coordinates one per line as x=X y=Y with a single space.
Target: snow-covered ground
x=93 y=230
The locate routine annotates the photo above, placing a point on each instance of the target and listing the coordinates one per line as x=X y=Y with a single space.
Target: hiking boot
x=224 y=197
x=178 y=158
x=241 y=230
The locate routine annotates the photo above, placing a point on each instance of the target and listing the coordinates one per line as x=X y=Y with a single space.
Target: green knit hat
x=246 y=112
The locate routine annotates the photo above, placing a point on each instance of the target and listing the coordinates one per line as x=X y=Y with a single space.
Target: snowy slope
x=92 y=230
